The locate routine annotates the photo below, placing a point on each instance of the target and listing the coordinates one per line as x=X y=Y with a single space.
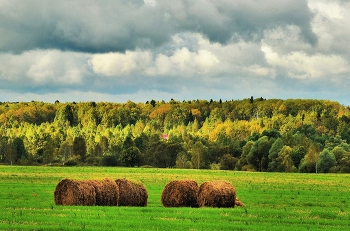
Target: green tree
x=172 y=150
x=182 y=160
x=65 y=114
x=109 y=159
x=97 y=150
x=273 y=154
x=20 y=150
x=50 y=150
x=153 y=103
x=326 y=161
x=228 y=162
x=79 y=147
x=344 y=163
x=199 y=155
x=258 y=155
x=10 y=153
x=128 y=142
x=297 y=154
x=142 y=141
x=130 y=156
x=236 y=149
x=159 y=157
x=338 y=153
x=245 y=152
x=3 y=145
x=273 y=133
x=65 y=152
x=104 y=144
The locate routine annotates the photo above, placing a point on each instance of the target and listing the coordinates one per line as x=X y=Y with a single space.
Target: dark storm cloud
x=86 y=26
x=220 y=20
x=106 y=26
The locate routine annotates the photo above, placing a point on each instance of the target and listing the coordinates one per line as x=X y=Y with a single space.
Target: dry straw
x=219 y=193
x=71 y=192
x=131 y=193
x=239 y=203
x=87 y=192
x=180 y=193
x=107 y=192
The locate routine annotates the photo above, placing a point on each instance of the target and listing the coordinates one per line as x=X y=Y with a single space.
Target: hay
x=71 y=192
x=131 y=193
x=239 y=203
x=180 y=193
x=218 y=193
x=107 y=192
x=87 y=192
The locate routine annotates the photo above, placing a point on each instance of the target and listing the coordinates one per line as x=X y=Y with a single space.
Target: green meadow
x=274 y=201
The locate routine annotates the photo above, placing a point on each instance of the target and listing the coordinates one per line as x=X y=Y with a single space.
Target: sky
x=139 y=50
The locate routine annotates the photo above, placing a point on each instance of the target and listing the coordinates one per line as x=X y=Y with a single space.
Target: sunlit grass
x=274 y=201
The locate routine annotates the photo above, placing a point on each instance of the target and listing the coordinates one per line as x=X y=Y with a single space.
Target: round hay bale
x=180 y=193
x=219 y=193
x=131 y=193
x=107 y=192
x=71 y=192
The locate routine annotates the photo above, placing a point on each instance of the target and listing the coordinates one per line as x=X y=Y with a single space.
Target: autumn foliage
x=249 y=134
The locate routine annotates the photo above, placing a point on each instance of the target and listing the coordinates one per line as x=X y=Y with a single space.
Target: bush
x=70 y=163
x=228 y=162
x=249 y=168
x=109 y=160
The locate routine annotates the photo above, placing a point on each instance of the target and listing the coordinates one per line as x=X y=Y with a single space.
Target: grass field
x=274 y=201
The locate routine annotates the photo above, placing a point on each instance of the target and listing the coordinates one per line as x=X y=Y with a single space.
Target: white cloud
x=331 y=25
x=152 y=3
x=286 y=51
x=258 y=70
x=184 y=62
x=41 y=67
x=302 y=66
x=285 y=39
x=329 y=9
x=115 y=64
x=204 y=58
x=55 y=67
x=181 y=62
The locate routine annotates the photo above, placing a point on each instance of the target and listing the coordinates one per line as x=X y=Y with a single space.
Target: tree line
x=294 y=135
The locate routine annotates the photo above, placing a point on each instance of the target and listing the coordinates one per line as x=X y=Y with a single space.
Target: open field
x=274 y=201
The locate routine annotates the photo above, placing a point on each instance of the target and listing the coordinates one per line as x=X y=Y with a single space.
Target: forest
x=252 y=134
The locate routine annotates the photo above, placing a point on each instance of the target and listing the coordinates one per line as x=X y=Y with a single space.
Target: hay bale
x=180 y=193
x=131 y=193
x=219 y=193
x=71 y=192
x=107 y=192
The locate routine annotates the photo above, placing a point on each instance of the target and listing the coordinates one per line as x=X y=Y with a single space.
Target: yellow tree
x=312 y=157
x=285 y=159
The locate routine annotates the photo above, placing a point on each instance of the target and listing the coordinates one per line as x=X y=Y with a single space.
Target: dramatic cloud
x=187 y=49
x=105 y=26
